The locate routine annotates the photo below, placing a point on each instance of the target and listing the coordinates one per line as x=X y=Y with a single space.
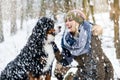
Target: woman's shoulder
x=95 y=28
x=87 y=25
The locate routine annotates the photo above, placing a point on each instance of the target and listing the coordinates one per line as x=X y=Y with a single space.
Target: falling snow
x=12 y=45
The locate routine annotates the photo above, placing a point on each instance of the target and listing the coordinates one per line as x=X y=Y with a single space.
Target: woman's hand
x=97 y=30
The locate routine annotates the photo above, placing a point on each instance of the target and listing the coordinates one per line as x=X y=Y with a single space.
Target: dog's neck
x=49 y=51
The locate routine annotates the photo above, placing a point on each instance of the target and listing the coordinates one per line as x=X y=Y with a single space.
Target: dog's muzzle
x=52 y=32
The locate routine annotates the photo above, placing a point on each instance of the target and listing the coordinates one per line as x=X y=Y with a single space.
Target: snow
x=12 y=45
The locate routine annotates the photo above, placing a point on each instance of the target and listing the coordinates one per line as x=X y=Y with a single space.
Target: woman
x=80 y=42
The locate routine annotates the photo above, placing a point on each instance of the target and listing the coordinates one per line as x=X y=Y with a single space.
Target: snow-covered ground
x=13 y=44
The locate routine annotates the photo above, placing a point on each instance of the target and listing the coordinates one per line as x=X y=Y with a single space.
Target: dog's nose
x=53 y=33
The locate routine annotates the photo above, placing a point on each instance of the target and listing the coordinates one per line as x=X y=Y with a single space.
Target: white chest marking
x=49 y=50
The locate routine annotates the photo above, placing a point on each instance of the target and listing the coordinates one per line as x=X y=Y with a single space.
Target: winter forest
x=18 y=17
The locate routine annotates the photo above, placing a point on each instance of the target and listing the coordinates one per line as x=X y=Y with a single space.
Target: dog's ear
x=45 y=23
x=42 y=26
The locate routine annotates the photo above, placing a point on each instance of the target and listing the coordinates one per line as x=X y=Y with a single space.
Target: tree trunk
x=116 y=28
x=67 y=5
x=55 y=9
x=29 y=8
x=22 y=14
x=1 y=26
x=85 y=6
x=42 y=8
x=91 y=9
x=13 y=17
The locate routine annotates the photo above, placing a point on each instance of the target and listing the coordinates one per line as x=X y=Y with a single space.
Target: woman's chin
x=70 y=30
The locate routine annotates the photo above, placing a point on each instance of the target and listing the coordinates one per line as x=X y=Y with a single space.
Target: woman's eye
x=68 y=20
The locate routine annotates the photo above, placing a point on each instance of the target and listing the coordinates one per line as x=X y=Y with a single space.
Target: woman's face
x=71 y=25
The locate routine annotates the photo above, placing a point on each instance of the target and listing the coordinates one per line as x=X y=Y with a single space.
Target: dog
x=36 y=57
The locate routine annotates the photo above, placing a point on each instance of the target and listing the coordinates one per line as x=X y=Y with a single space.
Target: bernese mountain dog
x=37 y=55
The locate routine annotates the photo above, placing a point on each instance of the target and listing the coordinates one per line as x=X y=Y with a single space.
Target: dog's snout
x=52 y=32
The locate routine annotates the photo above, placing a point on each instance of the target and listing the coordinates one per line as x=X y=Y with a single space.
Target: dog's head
x=43 y=30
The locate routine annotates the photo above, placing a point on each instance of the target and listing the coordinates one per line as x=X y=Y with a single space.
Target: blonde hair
x=76 y=15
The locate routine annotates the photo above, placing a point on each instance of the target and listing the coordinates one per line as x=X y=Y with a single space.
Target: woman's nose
x=67 y=23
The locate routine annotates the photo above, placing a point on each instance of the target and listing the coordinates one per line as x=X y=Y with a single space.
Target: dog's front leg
x=48 y=77
x=33 y=78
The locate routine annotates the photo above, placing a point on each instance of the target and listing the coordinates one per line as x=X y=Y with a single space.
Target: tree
x=29 y=11
x=91 y=9
x=55 y=9
x=13 y=17
x=111 y=10
x=22 y=14
x=116 y=28
x=85 y=7
x=68 y=5
x=88 y=8
x=42 y=8
x=1 y=27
